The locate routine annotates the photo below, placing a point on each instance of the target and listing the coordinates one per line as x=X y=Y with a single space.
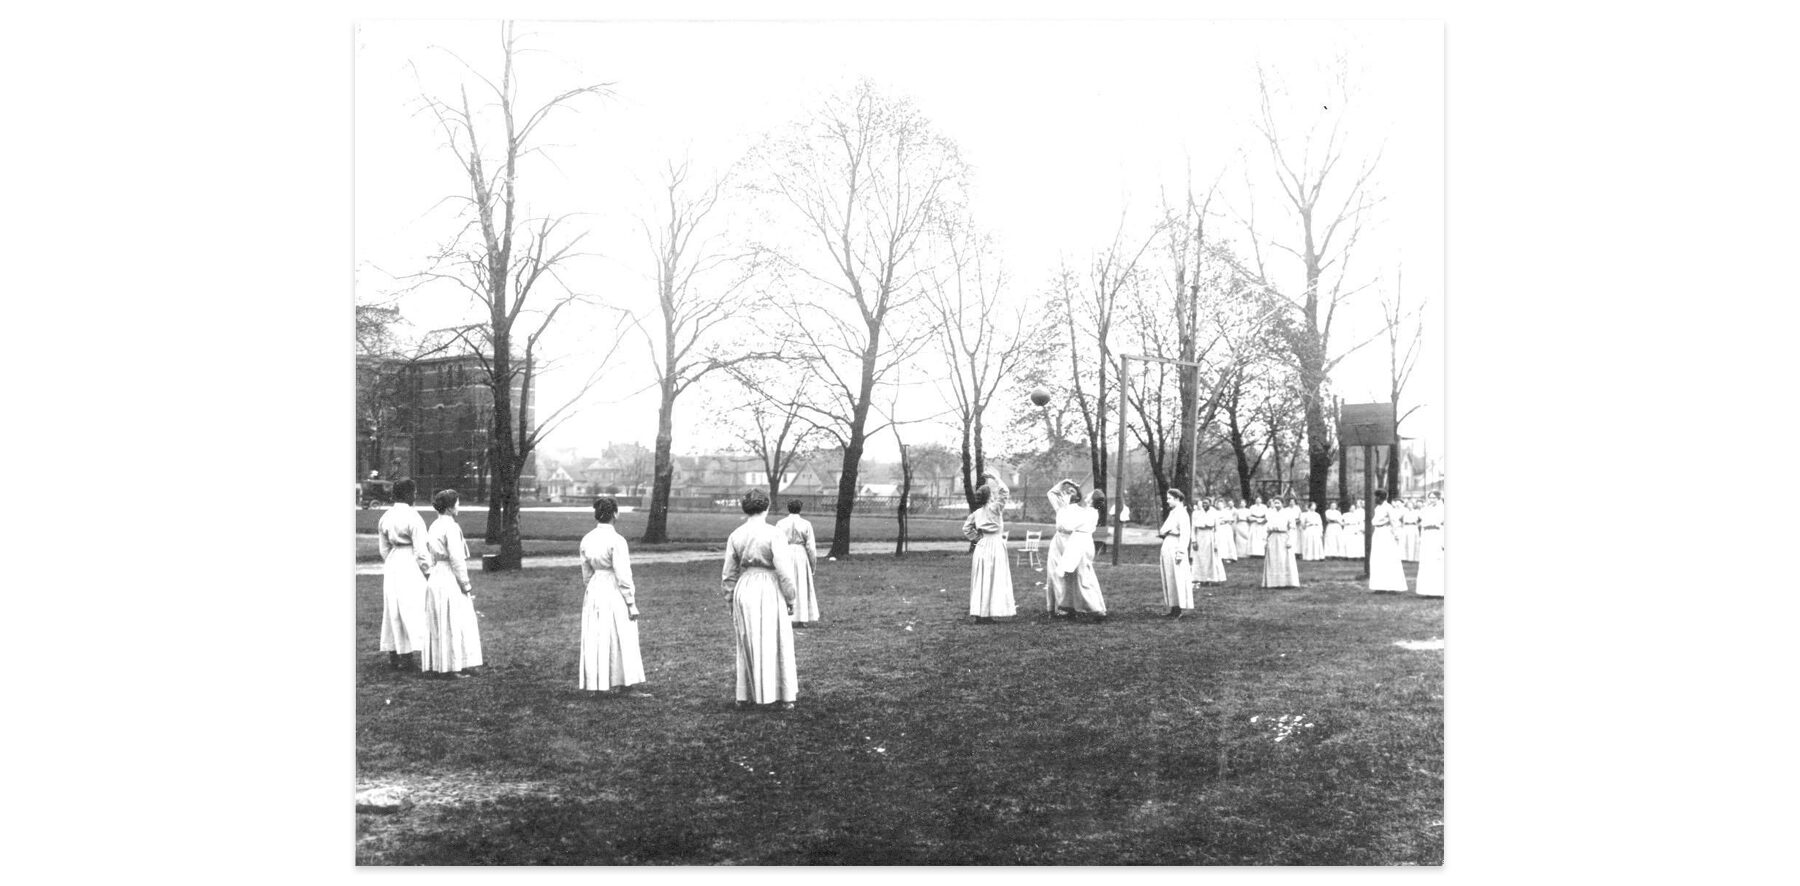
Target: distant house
x=559 y=485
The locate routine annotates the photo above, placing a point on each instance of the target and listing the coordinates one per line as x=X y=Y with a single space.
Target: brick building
x=432 y=420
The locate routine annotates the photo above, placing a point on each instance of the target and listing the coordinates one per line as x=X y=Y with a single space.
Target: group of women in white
x=428 y=602
x=1070 y=585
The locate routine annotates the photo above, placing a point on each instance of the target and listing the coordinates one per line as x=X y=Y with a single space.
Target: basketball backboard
x=1367 y=424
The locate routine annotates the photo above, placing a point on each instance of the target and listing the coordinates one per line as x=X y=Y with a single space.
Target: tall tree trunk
x=859 y=419
x=656 y=529
x=1393 y=471
x=969 y=476
x=906 y=476
x=1190 y=392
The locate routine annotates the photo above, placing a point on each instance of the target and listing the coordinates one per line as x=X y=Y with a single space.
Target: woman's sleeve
x=621 y=564
x=454 y=548
x=421 y=551
x=587 y=569
x=812 y=545
x=784 y=573
x=381 y=542
x=732 y=567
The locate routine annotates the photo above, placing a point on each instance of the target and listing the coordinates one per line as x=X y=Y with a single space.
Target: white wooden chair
x=1029 y=550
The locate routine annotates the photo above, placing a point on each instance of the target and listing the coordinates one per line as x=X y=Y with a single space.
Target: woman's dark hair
x=444 y=500
x=1099 y=501
x=405 y=490
x=983 y=494
x=755 y=501
x=794 y=505
x=1074 y=491
x=605 y=508
x=1380 y=496
x=1178 y=496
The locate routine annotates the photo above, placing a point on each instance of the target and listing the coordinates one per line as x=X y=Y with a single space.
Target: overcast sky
x=1066 y=125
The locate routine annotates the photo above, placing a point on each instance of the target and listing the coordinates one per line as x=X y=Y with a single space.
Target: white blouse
x=603 y=549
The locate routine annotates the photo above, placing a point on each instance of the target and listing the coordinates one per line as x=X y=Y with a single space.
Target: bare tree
x=1088 y=309
x=503 y=256
x=867 y=180
x=698 y=281
x=1327 y=202
x=981 y=337
x=767 y=418
x=1405 y=335
x=1189 y=252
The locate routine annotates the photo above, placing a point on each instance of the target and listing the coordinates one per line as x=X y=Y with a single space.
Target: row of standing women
x=428 y=600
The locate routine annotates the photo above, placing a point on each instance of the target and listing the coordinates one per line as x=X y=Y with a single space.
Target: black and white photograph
x=891 y=443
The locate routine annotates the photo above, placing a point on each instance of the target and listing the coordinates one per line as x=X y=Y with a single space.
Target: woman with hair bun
x=454 y=648
x=610 y=659
x=990 y=577
x=405 y=563
x=802 y=551
x=759 y=590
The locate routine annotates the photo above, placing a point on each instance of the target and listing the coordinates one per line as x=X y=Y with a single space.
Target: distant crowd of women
x=429 y=619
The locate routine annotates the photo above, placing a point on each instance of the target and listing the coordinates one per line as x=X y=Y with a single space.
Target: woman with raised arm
x=1385 y=571
x=610 y=659
x=1279 y=570
x=802 y=552
x=454 y=647
x=990 y=577
x=1076 y=521
x=1177 y=535
x=1056 y=596
x=1208 y=566
x=759 y=590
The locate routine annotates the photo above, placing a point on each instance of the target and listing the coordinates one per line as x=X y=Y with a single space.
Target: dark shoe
x=983 y=620
x=1099 y=618
x=394 y=660
x=1174 y=611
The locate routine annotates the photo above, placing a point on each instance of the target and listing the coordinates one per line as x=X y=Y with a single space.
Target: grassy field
x=1272 y=727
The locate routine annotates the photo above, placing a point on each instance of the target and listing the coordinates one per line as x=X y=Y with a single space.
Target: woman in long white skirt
x=1430 y=581
x=759 y=589
x=990 y=576
x=1208 y=565
x=1176 y=533
x=1385 y=571
x=454 y=647
x=802 y=551
x=1312 y=535
x=1224 y=540
x=1056 y=596
x=1279 y=568
x=609 y=615
x=404 y=564
x=1259 y=527
x=1240 y=529
x=1334 y=532
x=1354 y=531
x=1408 y=517
x=1072 y=565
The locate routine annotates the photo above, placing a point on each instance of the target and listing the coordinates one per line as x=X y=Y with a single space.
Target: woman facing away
x=1385 y=571
x=759 y=590
x=610 y=659
x=1176 y=534
x=1312 y=537
x=454 y=647
x=1279 y=570
x=1208 y=566
x=990 y=577
x=404 y=565
x=1430 y=581
x=802 y=551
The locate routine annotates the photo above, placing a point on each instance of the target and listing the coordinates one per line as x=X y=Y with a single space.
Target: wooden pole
x=1368 y=505
x=1119 y=472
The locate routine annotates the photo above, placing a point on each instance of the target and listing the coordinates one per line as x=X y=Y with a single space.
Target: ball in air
x=1040 y=396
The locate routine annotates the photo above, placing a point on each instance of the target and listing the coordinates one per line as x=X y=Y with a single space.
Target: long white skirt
x=990 y=578
x=766 y=670
x=1430 y=581
x=1353 y=542
x=455 y=637
x=1056 y=595
x=403 y=625
x=1177 y=580
x=1259 y=540
x=1208 y=566
x=609 y=638
x=1334 y=540
x=1240 y=536
x=1279 y=569
x=806 y=595
x=1226 y=541
x=1312 y=543
x=1409 y=542
x=1385 y=571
